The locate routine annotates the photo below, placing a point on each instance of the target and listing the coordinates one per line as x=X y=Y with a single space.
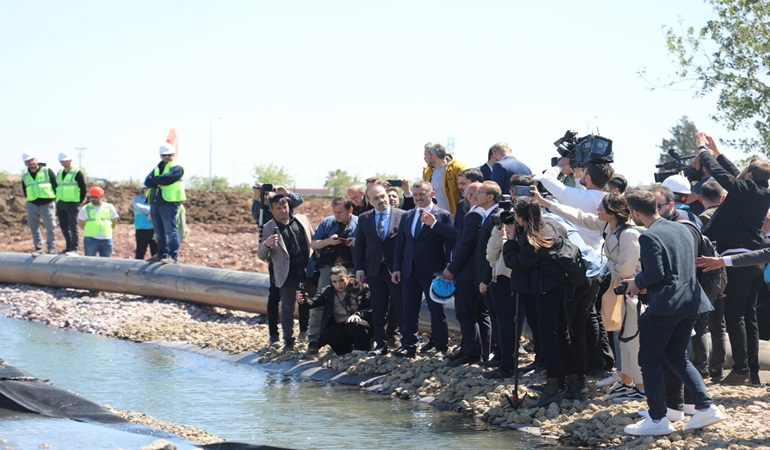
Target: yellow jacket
x=452 y=192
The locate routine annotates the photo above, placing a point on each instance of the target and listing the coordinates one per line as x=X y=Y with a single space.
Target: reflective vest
x=67 y=189
x=173 y=192
x=40 y=186
x=98 y=223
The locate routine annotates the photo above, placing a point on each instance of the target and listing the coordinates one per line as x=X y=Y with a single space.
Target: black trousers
x=578 y=315
x=601 y=351
x=413 y=290
x=741 y=316
x=560 y=359
x=145 y=238
x=387 y=304
x=344 y=337
x=529 y=306
x=67 y=214
x=504 y=303
x=471 y=313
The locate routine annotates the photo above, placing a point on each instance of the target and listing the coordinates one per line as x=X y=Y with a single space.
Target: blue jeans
x=166 y=229
x=664 y=340
x=92 y=246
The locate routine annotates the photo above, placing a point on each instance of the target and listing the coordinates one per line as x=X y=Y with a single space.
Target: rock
x=160 y=444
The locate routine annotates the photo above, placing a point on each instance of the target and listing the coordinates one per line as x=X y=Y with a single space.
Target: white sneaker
x=646 y=427
x=609 y=381
x=704 y=418
x=689 y=409
x=673 y=415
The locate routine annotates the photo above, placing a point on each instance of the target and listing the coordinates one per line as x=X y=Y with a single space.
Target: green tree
x=729 y=55
x=337 y=182
x=682 y=140
x=202 y=183
x=273 y=174
x=3 y=176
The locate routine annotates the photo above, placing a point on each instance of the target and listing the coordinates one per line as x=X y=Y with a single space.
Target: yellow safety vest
x=173 y=192
x=98 y=223
x=67 y=189
x=40 y=186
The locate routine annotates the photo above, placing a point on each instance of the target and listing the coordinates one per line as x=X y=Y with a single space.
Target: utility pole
x=80 y=155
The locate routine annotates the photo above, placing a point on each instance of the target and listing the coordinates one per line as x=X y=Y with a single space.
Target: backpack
x=713 y=282
x=569 y=259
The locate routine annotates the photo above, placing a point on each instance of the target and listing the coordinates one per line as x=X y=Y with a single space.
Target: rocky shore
x=594 y=422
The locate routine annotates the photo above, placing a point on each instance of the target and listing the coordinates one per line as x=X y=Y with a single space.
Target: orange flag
x=172 y=139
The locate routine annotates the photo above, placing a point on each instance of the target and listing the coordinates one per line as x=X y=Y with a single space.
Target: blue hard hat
x=767 y=273
x=442 y=290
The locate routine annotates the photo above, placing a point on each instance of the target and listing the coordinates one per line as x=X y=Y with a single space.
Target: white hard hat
x=678 y=184
x=167 y=149
x=27 y=156
x=64 y=157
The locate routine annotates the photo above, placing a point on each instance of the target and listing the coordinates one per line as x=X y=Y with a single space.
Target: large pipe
x=230 y=289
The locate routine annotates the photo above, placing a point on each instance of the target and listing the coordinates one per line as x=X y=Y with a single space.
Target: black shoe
x=379 y=350
x=497 y=374
x=551 y=394
x=573 y=391
x=153 y=259
x=405 y=352
x=392 y=342
x=312 y=348
x=454 y=356
x=463 y=361
x=528 y=368
x=754 y=378
x=427 y=348
x=491 y=363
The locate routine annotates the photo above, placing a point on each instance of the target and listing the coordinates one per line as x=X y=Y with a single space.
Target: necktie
x=417 y=228
x=381 y=226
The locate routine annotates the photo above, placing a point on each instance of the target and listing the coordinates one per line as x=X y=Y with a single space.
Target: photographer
x=260 y=204
x=345 y=324
x=534 y=272
x=333 y=243
x=674 y=301
x=736 y=227
x=621 y=247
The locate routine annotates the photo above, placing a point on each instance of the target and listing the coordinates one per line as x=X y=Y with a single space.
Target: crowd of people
x=659 y=269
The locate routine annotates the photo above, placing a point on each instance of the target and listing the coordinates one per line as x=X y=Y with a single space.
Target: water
x=239 y=403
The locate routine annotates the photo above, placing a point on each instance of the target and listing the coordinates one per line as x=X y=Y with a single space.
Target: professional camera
x=581 y=151
x=505 y=218
x=621 y=288
x=302 y=289
x=676 y=165
x=504 y=201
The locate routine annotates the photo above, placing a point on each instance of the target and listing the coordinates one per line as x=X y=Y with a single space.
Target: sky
x=354 y=85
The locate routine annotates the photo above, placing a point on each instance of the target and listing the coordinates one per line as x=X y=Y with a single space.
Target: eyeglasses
x=167 y=155
x=661 y=205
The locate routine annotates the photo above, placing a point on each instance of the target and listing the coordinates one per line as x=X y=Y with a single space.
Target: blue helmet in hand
x=442 y=290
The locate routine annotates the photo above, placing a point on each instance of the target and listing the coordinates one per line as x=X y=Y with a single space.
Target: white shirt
x=419 y=214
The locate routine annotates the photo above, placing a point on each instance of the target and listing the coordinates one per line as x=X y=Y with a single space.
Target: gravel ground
x=593 y=422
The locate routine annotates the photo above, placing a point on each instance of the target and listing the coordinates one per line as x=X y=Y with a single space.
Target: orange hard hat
x=96 y=191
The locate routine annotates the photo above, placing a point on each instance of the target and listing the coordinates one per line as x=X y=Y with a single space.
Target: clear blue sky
x=315 y=86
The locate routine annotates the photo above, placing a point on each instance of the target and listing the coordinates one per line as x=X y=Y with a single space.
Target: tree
x=682 y=140
x=3 y=176
x=729 y=54
x=273 y=174
x=337 y=182
x=202 y=183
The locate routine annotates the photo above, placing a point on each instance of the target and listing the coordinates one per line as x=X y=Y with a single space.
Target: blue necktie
x=418 y=227
x=381 y=226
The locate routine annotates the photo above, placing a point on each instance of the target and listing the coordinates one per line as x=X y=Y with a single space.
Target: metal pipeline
x=230 y=289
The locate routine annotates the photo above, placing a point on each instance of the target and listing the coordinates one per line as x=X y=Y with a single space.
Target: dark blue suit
x=674 y=299
x=375 y=257
x=467 y=296
x=503 y=169
x=486 y=171
x=418 y=258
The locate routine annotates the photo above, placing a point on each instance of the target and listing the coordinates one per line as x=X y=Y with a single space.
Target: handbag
x=612 y=308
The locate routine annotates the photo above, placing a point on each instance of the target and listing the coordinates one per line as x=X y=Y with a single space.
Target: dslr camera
x=582 y=150
x=506 y=217
x=675 y=165
x=621 y=288
x=504 y=201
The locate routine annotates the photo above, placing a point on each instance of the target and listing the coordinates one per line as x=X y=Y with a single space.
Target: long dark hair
x=529 y=212
x=616 y=205
x=354 y=289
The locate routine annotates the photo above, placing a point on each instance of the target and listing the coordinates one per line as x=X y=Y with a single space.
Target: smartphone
x=522 y=190
x=394 y=183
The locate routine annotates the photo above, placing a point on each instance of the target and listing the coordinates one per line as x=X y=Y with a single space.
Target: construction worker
x=166 y=196
x=70 y=193
x=98 y=218
x=39 y=185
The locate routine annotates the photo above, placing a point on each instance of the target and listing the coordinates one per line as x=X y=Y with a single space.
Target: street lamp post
x=211 y=138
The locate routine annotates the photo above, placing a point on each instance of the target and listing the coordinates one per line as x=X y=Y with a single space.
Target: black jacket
x=738 y=221
x=533 y=272
x=325 y=298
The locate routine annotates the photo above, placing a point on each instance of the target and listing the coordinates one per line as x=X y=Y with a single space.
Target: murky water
x=236 y=402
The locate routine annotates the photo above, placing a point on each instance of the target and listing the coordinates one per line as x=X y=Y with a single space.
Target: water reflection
x=237 y=402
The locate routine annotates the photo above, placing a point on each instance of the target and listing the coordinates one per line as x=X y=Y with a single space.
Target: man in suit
x=486 y=197
x=373 y=259
x=674 y=301
x=465 y=178
x=486 y=168
x=420 y=252
x=506 y=166
x=286 y=242
x=460 y=269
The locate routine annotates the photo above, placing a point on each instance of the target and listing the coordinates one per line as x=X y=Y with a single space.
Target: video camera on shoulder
x=582 y=150
x=677 y=164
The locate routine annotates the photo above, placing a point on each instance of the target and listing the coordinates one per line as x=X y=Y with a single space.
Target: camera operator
x=736 y=227
x=260 y=204
x=595 y=176
x=675 y=299
x=621 y=247
x=333 y=243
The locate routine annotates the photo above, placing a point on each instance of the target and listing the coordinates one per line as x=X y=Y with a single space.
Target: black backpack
x=568 y=257
x=713 y=282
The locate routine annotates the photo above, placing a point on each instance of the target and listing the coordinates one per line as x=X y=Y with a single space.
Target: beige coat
x=279 y=255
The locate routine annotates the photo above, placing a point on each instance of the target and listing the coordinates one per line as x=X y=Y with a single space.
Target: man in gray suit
x=286 y=241
x=674 y=301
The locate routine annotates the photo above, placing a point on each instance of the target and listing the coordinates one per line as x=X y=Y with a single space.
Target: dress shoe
x=754 y=379
x=379 y=350
x=647 y=427
x=497 y=374
x=454 y=356
x=312 y=348
x=491 y=363
x=463 y=361
x=427 y=348
x=405 y=352
x=393 y=342
x=736 y=379
x=528 y=368
x=704 y=418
